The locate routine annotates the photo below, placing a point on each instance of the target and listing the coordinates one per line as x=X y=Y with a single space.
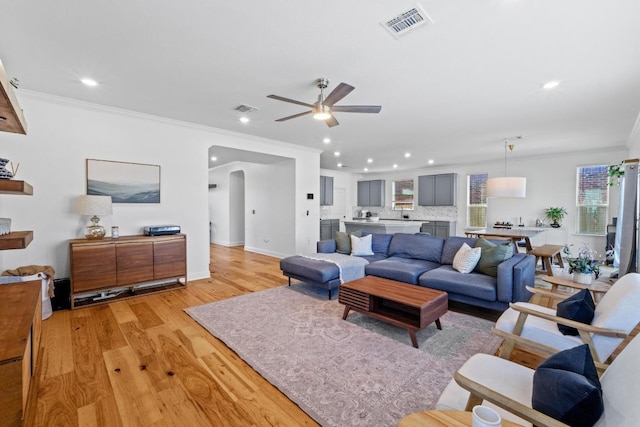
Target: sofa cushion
x=579 y=307
x=492 y=255
x=466 y=259
x=445 y=278
x=416 y=246
x=452 y=246
x=401 y=269
x=361 y=246
x=566 y=387
x=380 y=242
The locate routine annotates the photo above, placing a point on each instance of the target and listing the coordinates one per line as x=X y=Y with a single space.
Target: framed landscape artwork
x=124 y=182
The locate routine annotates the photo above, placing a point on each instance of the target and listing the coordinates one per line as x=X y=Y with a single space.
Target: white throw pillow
x=361 y=245
x=466 y=258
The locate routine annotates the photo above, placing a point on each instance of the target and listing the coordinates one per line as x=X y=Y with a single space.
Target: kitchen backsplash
x=443 y=213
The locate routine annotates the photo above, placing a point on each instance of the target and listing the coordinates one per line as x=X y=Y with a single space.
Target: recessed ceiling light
x=339 y=165
x=244 y=119
x=326 y=140
x=369 y=160
x=550 y=85
x=366 y=169
x=407 y=155
x=88 y=82
x=336 y=153
x=395 y=165
x=214 y=159
x=430 y=161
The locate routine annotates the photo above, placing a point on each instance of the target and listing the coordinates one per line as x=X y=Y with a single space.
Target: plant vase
x=582 y=278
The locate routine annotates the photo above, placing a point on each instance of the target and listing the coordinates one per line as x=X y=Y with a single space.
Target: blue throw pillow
x=566 y=387
x=579 y=307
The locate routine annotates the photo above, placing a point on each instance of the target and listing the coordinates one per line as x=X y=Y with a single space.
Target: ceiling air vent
x=407 y=21
x=243 y=108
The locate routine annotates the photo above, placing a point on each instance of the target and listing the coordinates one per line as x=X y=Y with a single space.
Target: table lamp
x=94 y=205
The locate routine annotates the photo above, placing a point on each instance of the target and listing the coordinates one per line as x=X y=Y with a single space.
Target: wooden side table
x=547 y=253
x=443 y=419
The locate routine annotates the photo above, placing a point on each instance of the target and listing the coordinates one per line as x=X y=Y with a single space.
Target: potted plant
x=555 y=215
x=615 y=172
x=583 y=267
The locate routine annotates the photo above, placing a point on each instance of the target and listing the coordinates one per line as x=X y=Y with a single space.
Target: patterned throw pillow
x=466 y=258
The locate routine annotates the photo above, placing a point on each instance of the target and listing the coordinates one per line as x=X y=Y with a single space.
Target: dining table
x=514 y=234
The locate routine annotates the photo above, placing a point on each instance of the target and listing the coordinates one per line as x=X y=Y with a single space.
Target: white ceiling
x=450 y=91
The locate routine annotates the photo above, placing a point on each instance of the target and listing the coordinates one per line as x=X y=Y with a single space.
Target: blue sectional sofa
x=425 y=260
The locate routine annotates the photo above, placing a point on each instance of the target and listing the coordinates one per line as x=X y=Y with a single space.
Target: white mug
x=484 y=416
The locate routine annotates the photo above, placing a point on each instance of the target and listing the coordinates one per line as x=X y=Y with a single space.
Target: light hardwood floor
x=143 y=361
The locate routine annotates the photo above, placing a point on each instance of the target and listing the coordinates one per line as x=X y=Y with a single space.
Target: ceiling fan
x=324 y=108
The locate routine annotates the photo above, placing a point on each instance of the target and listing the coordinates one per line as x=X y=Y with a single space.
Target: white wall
x=63 y=133
x=236 y=208
x=269 y=207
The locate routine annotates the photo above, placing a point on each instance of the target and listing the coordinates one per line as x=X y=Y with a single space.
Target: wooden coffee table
x=408 y=306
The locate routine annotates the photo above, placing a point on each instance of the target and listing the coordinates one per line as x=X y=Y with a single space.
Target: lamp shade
x=507 y=187
x=94 y=205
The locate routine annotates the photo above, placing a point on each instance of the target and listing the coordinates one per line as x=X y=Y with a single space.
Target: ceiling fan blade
x=294 y=116
x=293 y=101
x=331 y=121
x=357 y=108
x=338 y=93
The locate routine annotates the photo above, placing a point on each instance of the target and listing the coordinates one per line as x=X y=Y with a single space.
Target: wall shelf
x=12 y=186
x=16 y=240
x=12 y=118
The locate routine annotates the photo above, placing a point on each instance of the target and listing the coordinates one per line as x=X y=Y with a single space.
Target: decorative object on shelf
x=507 y=187
x=124 y=182
x=4 y=174
x=94 y=205
x=5 y=226
x=583 y=267
x=615 y=172
x=115 y=232
x=555 y=215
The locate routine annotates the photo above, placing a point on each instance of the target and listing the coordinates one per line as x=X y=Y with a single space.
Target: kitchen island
x=382 y=226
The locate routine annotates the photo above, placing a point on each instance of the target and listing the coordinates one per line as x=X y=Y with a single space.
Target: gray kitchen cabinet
x=437 y=190
x=371 y=193
x=326 y=191
x=442 y=229
x=328 y=228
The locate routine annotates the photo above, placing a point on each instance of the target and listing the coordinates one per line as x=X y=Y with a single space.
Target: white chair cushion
x=621 y=388
x=618 y=309
x=502 y=376
x=537 y=329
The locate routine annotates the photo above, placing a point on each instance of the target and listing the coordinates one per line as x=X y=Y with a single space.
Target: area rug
x=358 y=372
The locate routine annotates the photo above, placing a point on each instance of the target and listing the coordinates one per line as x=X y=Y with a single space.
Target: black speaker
x=62 y=291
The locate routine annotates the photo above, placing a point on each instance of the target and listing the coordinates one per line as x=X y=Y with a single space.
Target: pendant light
x=507 y=187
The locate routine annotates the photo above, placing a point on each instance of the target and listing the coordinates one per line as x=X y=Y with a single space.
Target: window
x=592 y=200
x=402 y=195
x=477 y=200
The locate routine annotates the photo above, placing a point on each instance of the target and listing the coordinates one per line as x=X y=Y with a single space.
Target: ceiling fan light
x=321 y=112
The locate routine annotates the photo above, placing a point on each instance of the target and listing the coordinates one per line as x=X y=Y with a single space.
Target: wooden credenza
x=20 y=330
x=119 y=266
